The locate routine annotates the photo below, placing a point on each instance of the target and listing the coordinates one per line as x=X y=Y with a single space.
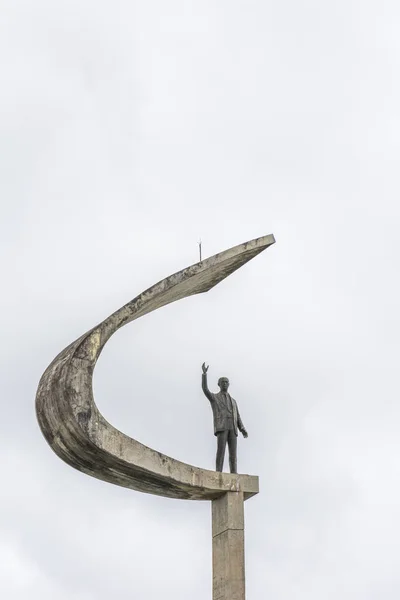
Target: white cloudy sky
x=128 y=130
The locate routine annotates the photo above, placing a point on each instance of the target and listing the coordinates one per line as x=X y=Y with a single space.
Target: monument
x=79 y=434
x=227 y=421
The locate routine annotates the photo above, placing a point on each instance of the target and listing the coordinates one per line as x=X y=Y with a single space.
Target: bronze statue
x=227 y=421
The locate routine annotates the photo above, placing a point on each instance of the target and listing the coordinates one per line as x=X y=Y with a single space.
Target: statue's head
x=223 y=383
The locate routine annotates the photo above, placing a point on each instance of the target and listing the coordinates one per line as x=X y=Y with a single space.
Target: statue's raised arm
x=204 y=384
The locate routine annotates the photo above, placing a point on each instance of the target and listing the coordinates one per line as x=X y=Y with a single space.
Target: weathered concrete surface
x=79 y=434
x=228 y=547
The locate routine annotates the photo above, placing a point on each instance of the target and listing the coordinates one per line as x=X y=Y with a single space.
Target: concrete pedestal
x=228 y=547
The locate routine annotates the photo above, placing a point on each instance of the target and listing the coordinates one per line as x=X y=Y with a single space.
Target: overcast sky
x=128 y=130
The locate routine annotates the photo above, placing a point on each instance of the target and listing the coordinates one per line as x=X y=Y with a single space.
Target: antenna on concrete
x=200 y=248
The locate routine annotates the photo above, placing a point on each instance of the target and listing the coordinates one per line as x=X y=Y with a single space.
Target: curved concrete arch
x=79 y=434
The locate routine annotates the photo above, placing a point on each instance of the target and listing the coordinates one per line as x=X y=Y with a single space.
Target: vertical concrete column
x=228 y=547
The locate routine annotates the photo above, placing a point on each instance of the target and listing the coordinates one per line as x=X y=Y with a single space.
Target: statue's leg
x=222 y=436
x=232 y=444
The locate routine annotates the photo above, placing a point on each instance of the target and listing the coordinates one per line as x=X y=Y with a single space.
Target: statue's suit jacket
x=220 y=412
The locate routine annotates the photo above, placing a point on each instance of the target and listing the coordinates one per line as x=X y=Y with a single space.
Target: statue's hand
x=205 y=368
x=244 y=433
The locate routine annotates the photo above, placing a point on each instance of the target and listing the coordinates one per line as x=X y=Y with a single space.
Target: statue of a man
x=227 y=421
